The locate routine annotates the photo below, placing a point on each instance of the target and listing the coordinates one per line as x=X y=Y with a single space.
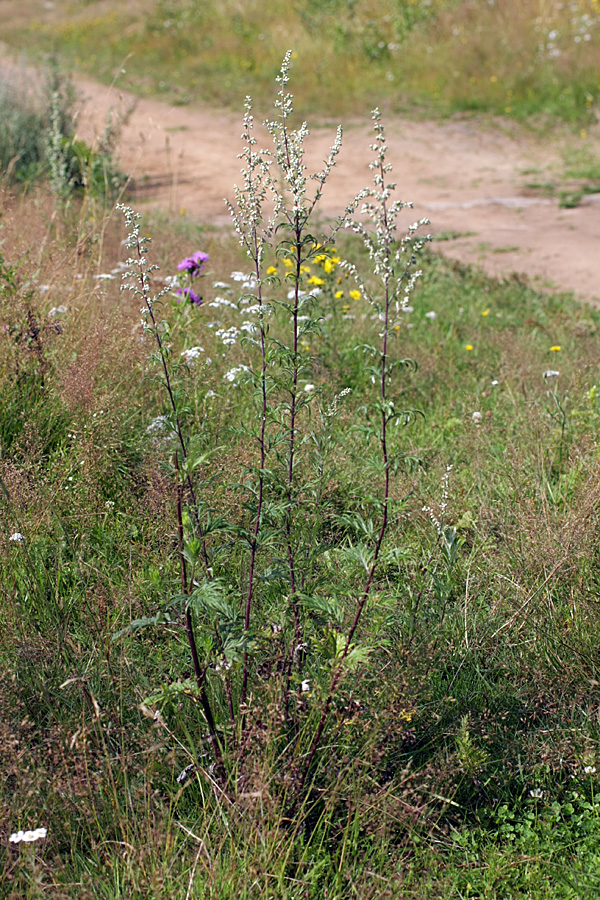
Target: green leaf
x=160 y=619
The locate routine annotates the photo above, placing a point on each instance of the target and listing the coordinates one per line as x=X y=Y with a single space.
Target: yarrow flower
x=157 y=424
x=192 y=353
x=18 y=537
x=193 y=264
x=27 y=836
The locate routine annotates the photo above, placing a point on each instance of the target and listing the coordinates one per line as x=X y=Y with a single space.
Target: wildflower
x=110 y=504
x=249 y=281
x=272 y=270
x=232 y=374
x=536 y=793
x=308 y=388
x=57 y=311
x=156 y=424
x=477 y=417
x=555 y=348
x=288 y=263
x=27 y=836
x=590 y=770
x=193 y=264
x=305 y=686
x=228 y=335
x=468 y=346
x=338 y=294
x=318 y=281
x=221 y=285
x=431 y=315
x=17 y=537
x=495 y=383
x=355 y=295
x=192 y=353
x=108 y=276
x=485 y=313
x=551 y=373
x=190 y=294
x=329 y=265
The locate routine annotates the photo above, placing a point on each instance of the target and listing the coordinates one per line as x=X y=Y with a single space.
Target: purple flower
x=190 y=294
x=194 y=263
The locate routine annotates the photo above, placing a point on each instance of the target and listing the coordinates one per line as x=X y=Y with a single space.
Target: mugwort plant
x=270 y=635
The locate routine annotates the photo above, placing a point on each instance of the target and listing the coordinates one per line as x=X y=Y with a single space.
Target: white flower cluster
x=157 y=424
x=57 y=310
x=232 y=374
x=17 y=537
x=27 y=836
x=229 y=336
x=248 y=280
x=579 y=28
x=192 y=354
x=222 y=301
x=304 y=294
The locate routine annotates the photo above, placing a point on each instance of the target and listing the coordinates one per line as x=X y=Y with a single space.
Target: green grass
x=535 y=63
x=481 y=683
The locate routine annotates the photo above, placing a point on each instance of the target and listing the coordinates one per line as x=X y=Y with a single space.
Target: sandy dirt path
x=467 y=179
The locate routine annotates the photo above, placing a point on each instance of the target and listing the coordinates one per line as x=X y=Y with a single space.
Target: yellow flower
x=304 y=270
x=583 y=134
x=315 y=280
x=338 y=294
x=485 y=313
x=329 y=265
x=355 y=295
x=396 y=328
x=272 y=270
x=320 y=258
x=288 y=262
x=555 y=348
x=468 y=346
x=346 y=307
x=339 y=281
